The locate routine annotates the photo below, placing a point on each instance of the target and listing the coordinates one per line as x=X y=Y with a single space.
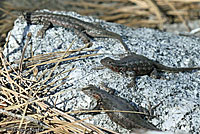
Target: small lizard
x=109 y=101
x=84 y=29
x=138 y=65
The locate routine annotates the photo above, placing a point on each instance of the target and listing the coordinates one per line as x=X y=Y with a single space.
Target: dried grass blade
x=58 y=60
x=23 y=52
x=70 y=125
x=23 y=116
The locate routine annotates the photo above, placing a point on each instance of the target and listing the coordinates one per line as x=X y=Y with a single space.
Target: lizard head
x=32 y=17
x=92 y=91
x=107 y=62
x=110 y=63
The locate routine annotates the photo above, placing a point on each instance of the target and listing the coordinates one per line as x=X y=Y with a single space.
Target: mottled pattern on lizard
x=138 y=65
x=111 y=102
x=84 y=29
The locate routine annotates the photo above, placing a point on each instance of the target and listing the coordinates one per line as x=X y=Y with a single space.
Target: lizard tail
x=122 y=42
x=161 y=67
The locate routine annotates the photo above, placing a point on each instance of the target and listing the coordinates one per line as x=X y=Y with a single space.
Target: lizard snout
x=106 y=61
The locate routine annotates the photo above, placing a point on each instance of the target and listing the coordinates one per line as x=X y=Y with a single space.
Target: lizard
x=83 y=29
x=138 y=65
x=109 y=101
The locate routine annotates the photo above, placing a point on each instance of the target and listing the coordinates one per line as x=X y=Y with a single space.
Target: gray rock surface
x=180 y=28
x=179 y=91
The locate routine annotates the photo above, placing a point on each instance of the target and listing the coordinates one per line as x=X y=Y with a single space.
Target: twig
x=23 y=116
x=23 y=52
x=28 y=118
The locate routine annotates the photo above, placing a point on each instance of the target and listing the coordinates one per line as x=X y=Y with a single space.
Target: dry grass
x=133 y=13
x=22 y=98
x=23 y=106
x=146 y=13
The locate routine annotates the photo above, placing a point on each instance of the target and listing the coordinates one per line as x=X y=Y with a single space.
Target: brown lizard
x=84 y=29
x=138 y=65
x=108 y=101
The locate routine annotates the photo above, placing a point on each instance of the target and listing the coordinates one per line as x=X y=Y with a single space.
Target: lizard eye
x=109 y=61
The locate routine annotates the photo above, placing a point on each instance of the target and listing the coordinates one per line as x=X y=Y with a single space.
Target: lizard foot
x=40 y=33
x=150 y=111
x=132 y=84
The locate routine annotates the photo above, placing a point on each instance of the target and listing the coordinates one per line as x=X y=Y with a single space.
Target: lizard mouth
x=91 y=91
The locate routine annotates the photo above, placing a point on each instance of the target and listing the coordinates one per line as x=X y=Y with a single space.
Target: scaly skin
x=84 y=29
x=138 y=65
x=111 y=102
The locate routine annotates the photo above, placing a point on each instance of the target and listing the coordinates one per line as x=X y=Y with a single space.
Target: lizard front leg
x=46 y=25
x=154 y=74
x=132 y=74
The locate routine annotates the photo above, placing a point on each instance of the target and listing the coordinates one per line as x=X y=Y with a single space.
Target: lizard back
x=112 y=102
x=141 y=66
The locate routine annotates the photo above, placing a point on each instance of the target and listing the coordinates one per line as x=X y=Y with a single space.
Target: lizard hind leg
x=149 y=112
x=85 y=38
x=154 y=74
